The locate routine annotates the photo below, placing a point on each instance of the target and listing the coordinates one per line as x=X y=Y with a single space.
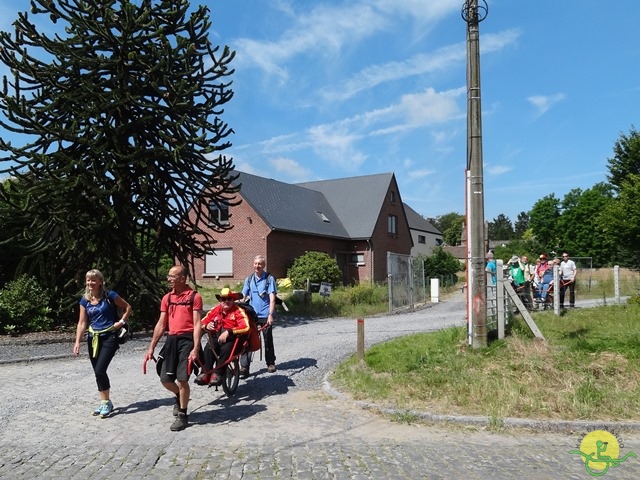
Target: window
x=422 y=239
x=323 y=217
x=356 y=259
x=219 y=263
x=392 y=225
x=392 y=196
x=218 y=213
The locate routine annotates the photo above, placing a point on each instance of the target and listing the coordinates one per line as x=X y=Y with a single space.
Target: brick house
x=355 y=220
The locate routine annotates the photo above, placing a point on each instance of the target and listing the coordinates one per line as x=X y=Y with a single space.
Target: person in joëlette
x=227 y=321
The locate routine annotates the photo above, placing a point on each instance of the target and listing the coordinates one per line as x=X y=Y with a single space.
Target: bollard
x=360 y=346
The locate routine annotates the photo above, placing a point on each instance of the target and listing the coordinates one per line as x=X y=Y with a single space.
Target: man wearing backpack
x=260 y=291
x=180 y=316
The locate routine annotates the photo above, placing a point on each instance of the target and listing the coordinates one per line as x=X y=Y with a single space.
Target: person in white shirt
x=568 y=272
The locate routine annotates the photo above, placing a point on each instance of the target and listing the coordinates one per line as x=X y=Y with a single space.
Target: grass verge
x=588 y=368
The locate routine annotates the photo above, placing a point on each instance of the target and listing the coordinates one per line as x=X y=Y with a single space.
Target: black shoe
x=180 y=422
x=244 y=372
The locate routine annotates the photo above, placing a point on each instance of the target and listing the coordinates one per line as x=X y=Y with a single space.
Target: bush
x=24 y=306
x=441 y=265
x=317 y=267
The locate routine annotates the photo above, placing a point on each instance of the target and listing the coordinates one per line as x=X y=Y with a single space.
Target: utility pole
x=473 y=14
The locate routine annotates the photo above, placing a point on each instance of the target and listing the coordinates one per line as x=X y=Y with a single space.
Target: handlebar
x=144 y=364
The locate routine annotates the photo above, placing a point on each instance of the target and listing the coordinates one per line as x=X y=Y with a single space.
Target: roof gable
x=288 y=207
x=356 y=200
x=418 y=222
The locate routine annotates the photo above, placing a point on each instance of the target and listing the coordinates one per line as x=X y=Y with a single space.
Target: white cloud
x=497 y=169
x=292 y=169
x=542 y=103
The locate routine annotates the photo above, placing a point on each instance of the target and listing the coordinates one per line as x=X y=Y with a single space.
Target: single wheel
x=231 y=377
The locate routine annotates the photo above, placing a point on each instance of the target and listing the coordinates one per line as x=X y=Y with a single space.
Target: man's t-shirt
x=180 y=312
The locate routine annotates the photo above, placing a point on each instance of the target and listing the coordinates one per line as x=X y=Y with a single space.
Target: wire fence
x=406 y=282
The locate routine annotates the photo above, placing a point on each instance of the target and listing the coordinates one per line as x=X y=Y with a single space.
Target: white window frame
x=356 y=259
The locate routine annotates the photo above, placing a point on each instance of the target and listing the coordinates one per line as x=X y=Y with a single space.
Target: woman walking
x=99 y=316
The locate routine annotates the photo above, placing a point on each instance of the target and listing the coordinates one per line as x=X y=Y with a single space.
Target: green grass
x=588 y=368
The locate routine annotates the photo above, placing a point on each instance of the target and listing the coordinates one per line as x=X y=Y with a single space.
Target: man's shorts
x=185 y=345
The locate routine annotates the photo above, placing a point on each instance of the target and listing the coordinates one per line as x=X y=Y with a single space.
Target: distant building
x=424 y=235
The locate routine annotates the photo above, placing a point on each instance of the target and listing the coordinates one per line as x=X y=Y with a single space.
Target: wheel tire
x=231 y=378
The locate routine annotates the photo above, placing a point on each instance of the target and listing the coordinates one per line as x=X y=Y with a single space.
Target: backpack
x=279 y=301
x=253 y=342
x=124 y=334
x=185 y=302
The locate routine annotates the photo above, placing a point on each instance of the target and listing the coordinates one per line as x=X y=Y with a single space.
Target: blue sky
x=332 y=89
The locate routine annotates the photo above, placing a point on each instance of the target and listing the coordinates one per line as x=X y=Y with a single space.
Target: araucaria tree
x=116 y=157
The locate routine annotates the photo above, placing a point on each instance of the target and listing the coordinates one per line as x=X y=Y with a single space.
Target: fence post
x=360 y=343
x=500 y=299
x=435 y=290
x=616 y=282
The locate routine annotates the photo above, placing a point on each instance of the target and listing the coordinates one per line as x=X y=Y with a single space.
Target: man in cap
x=227 y=321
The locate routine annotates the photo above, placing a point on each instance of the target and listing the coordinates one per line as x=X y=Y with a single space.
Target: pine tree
x=118 y=121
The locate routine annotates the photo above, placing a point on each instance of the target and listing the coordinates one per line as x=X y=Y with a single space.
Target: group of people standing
x=534 y=280
x=182 y=323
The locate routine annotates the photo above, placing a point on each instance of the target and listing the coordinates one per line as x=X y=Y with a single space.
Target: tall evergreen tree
x=118 y=154
x=521 y=225
x=500 y=228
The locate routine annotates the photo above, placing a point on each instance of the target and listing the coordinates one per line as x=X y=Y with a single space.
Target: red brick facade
x=250 y=236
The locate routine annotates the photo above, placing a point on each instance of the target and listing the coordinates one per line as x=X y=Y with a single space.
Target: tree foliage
x=543 y=218
x=626 y=159
x=621 y=220
x=315 y=266
x=451 y=225
x=501 y=228
x=118 y=159
x=580 y=229
x=521 y=225
x=441 y=264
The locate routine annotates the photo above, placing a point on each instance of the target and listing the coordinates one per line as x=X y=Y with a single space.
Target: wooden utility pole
x=473 y=14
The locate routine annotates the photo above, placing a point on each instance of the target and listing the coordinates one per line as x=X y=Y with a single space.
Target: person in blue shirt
x=491 y=267
x=99 y=315
x=260 y=291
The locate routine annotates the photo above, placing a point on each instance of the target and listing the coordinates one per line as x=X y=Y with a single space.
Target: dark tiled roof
x=418 y=222
x=356 y=200
x=290 y=207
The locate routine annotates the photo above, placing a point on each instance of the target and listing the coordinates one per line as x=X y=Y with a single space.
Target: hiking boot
x=107 y=408
x=271 y=368
x=244 y=372
x=202 y=379
x=98 y=410
x=215 y=380
x=180 y=423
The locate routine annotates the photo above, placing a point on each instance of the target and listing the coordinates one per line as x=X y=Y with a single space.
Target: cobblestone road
x=272 y=429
